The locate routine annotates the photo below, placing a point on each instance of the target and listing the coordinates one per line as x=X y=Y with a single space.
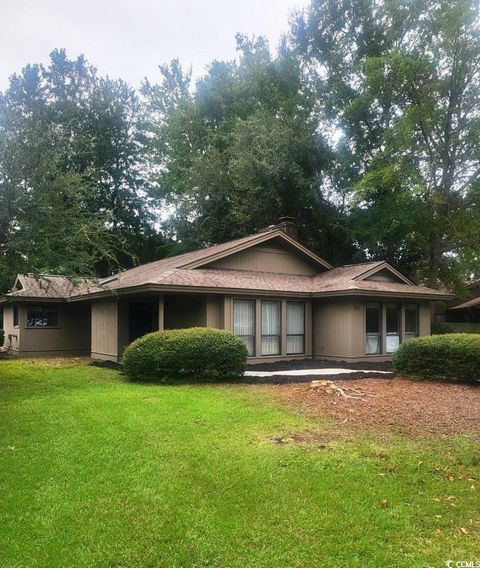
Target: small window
x=411 y=320
x=42 y=316
x=270 y=328
x=15 y=316
x=244 y=323
x=295 y=328
x=373 y=328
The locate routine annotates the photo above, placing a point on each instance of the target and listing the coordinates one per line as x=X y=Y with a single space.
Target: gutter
x=152 y=288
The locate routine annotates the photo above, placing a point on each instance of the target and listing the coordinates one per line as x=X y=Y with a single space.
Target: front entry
x=142 y=319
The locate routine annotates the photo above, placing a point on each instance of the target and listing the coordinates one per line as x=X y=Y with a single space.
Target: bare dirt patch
x=395 y=405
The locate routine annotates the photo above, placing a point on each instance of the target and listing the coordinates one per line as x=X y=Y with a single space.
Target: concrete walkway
x=312 y=372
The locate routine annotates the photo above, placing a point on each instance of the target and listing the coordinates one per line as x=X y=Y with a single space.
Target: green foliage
x=70 y=183
x=240 y=150
x=194 y=354
x=399 y=84
x=364 y=125
x=452 y=356
x=2 y=337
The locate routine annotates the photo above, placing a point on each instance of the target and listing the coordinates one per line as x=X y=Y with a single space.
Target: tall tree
x=72 y=190
x=240 y=149
x=398 y=83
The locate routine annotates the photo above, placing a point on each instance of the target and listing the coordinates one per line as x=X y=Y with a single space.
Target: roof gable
x=216 y=253
x=383 y=272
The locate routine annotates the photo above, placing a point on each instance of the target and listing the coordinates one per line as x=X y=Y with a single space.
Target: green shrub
x=198 y=353
x=2 y=337
x=453 y=356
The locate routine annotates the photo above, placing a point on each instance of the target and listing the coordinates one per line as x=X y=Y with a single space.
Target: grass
x=95 y=471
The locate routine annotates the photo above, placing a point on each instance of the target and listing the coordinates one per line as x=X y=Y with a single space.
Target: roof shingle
x=171 y=272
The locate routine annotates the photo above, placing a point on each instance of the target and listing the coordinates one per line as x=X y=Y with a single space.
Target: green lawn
x=98 y=472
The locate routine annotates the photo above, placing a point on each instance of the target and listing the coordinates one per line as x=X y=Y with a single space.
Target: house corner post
x=161 y=312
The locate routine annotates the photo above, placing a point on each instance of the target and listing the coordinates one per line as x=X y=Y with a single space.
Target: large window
x=295 y=328
x=244 y=323
x=393 y=327
x=373 y=328
x=271 y=328
x=411 y=321
x=42 y=316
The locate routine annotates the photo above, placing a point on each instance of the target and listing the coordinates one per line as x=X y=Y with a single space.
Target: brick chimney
x=289 y=226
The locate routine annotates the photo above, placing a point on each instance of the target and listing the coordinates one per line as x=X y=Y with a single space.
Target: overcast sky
x=130 y=38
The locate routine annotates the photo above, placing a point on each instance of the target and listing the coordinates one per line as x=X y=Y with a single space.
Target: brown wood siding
x=339 y=327
x=12 y=334
x=214 y=316
x=268 y=258
x=334 y=324
x=105 y=329
x=71 y=336
x=182 y=311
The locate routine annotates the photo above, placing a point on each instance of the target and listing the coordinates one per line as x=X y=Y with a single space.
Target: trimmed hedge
x=452 y=357
x=197 y=353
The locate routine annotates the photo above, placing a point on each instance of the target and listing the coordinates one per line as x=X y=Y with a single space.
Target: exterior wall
x=339 y=327
x=334 y=325
x=181 y=311
x=72 y=336
x=425 y=319
x=12 y=334
x=214 y=315
x=268 y=258
x=105 y=327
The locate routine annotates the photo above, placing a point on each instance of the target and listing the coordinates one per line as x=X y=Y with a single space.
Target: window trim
x=287 y=352
x=279 y=304
x=42 y=307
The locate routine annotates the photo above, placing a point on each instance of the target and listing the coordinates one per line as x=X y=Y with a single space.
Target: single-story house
x=281 y=298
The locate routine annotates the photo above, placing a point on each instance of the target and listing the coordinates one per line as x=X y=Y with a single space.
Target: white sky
x=130 y=38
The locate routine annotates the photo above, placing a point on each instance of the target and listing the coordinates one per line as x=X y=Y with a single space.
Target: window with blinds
x=271 y=327
x=295 y=328
x=244 y=323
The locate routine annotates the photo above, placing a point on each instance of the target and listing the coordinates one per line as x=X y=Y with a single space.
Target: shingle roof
x=51 y=286
x=473 y=303
x=175 y=272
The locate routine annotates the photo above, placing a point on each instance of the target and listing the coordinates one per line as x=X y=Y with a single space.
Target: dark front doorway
x=142 y=319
